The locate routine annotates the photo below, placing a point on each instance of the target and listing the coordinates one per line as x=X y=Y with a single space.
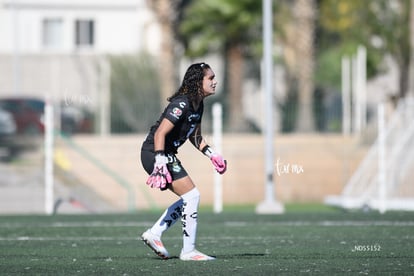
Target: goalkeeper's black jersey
x=181 y=113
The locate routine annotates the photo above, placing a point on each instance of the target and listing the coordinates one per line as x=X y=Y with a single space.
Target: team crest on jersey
x=176 y=112
x=176 y=168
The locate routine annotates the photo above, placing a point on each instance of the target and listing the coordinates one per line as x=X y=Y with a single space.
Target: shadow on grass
x=224 y=256
x=241 y=256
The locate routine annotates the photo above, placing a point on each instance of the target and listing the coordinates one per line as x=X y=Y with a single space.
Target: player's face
x=209 y=83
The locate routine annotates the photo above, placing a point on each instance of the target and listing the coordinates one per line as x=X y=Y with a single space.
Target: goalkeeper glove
x=218 y=162
x=160 y=176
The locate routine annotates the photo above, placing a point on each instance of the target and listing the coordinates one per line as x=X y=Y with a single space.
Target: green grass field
x=314 y=241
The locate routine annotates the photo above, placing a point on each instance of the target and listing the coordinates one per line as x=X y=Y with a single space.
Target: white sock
x=191 y=200
x=168 y=218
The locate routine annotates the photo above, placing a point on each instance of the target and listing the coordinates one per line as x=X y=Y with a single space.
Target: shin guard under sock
x=168 y=218
x=191 y=200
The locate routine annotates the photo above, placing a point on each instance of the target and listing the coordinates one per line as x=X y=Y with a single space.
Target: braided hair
x=192 y=84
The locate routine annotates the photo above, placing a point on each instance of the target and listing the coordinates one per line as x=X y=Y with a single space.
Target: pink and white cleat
x=195 y=255
x=155 y=243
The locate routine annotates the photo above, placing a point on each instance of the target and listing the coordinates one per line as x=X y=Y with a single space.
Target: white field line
x=78 y=239
x=326 y=223
x=25 y=238
x=101 y=224
x=147 y=224
x=91 y=224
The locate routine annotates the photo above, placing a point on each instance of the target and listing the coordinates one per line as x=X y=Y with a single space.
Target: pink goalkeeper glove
x=160 y=176
x=218 y=162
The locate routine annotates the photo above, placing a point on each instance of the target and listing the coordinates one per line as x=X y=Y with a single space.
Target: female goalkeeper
x=181 y=120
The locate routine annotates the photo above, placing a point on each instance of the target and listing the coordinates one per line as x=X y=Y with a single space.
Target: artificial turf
x=317 y=242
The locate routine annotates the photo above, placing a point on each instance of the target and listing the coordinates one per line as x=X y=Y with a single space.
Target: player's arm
x=160 y=175
x=159 y=136
x=197 y=140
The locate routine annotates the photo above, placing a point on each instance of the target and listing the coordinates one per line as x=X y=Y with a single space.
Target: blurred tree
x=305 y=14
x=233 y=28
x=135 y=100
x=295 y=33
x=383 y=26
x=169 y=14
x=391 y=23
x=411 y=71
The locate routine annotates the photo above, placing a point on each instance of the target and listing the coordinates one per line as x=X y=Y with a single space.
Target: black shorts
x=174 y=166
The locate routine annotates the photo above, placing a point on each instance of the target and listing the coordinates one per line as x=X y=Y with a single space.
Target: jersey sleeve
x=176 y=110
